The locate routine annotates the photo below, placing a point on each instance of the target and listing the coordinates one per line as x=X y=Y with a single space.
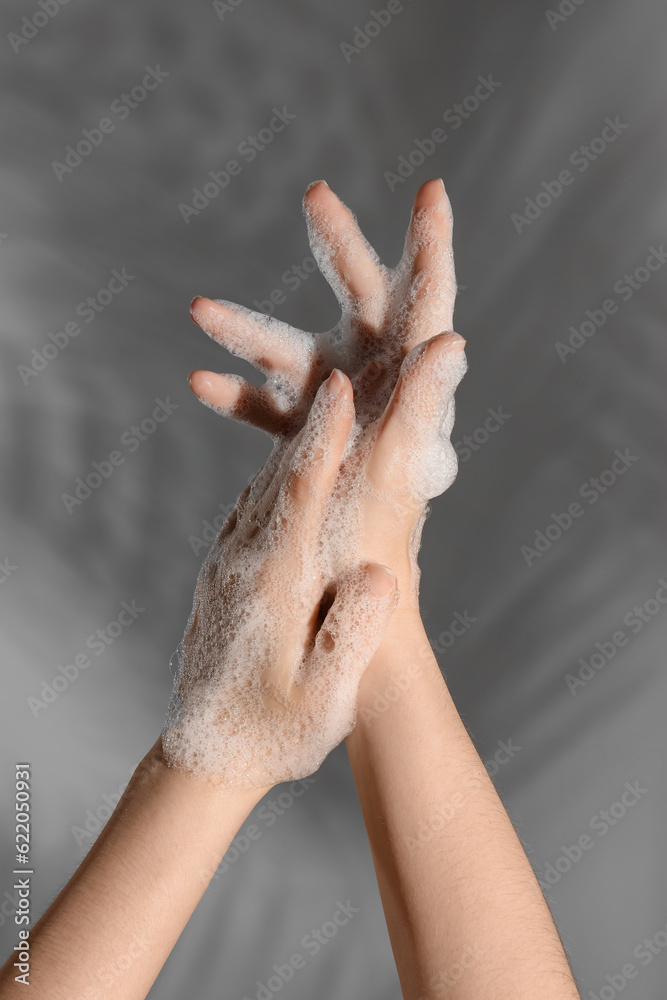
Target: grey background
x=129 y=540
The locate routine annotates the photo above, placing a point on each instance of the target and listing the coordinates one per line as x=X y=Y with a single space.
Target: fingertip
x=216 y=389
x=340 y=394
x=337 y=391
x=323 y=205
x=431 y=194
x=315 y=192
x=370 y=374
x=198 y=380
x=382 y=580
x=337 y=384
x=194 y=305
x=202 y=384
x=315 y=184
x=199 y=307
x=444 y=343
x=451 y=341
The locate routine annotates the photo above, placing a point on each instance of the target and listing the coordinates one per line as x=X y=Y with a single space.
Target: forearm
x=110 y=930
x=465 y=913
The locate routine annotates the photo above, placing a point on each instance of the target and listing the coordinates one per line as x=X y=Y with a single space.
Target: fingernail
x=193 y=304
x=314 y=183
x=335 y=382
x=454 y=341
x=372 y=371
x=443 y=185
x=381 y=579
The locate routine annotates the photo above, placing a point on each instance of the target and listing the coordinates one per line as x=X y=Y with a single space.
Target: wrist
x=211 y=810
x=403 y=659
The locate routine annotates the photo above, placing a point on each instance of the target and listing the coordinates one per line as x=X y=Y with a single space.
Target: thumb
x=350 y=635
x=419 y=417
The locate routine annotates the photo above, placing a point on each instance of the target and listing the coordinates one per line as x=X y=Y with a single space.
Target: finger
x=270 y=345
x=412 y=445
x=429 y=260
x=317 y=457
x=343 y=254
x=307 y=465
x=232 y=396
x=292 y=506
x=348 y=638
x=296 y=522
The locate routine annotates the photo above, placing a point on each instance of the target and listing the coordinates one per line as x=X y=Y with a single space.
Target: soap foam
x=226 y=719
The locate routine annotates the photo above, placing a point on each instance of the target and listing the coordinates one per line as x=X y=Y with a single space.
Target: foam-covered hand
x=394 y=341
x=269 y=667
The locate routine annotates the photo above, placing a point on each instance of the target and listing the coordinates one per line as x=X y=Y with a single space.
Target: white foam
x=224 y=719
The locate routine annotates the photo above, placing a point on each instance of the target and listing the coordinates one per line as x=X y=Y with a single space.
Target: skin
x=466 y=917
x=266 y=701
x=401 y=318
x=465 y=914
x=110 y=930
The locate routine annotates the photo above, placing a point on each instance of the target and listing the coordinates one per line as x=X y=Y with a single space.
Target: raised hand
x=271 y=659
x=393 y=340
x=384 y=314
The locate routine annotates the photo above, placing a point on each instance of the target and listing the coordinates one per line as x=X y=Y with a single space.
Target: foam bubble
x=229 y=717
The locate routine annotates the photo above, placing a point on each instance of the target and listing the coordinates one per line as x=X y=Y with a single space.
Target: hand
x=270 y=663
x=404 y=370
